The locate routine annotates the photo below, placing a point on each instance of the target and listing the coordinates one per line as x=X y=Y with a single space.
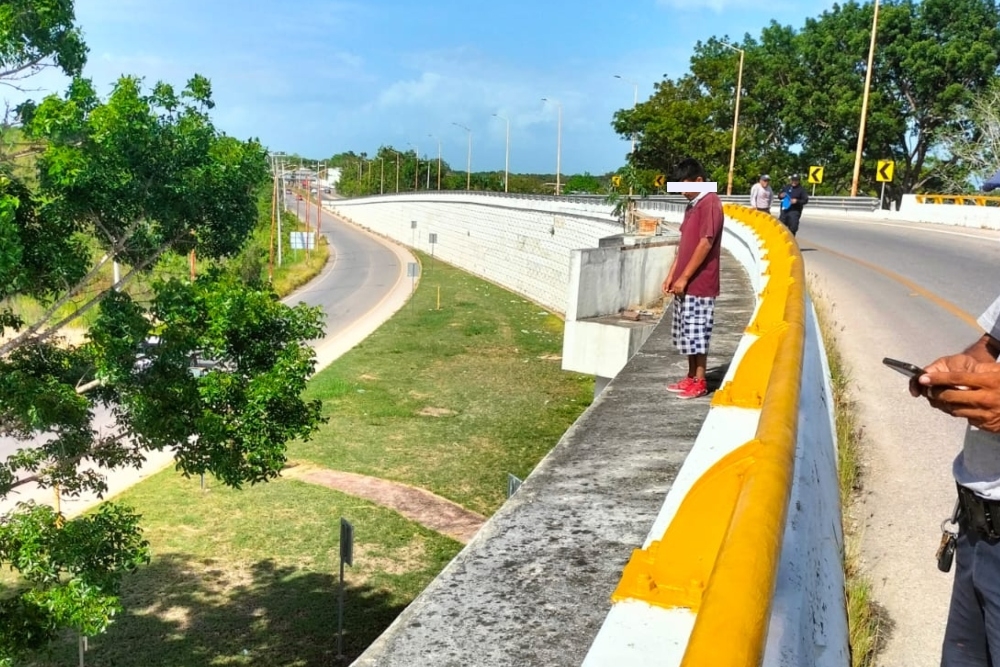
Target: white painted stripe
x=692 y=186
x=637 y=633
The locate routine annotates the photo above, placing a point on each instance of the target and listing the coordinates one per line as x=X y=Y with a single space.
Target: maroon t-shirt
x=702 y=221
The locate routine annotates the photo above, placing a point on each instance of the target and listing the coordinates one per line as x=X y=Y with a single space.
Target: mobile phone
x=909 y=370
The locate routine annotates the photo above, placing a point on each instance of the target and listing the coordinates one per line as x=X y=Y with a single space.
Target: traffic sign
x=660 y=180
x=815 y=174
x=885 y=170
x=616 y=180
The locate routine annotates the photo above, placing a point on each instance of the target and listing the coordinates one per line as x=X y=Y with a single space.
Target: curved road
x=909 y=291
x=361 y=286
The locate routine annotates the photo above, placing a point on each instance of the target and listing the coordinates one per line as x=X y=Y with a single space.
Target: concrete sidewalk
x=328 y=350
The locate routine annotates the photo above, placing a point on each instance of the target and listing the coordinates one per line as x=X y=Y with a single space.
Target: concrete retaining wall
x=521 y=244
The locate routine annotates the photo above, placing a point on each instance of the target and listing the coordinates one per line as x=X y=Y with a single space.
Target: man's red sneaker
x=680 y=386
x=696 y=389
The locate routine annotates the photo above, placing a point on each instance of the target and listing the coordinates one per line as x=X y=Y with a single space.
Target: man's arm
x=670 y=275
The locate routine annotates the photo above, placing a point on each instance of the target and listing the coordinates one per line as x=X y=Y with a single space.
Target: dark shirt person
x=793 y=197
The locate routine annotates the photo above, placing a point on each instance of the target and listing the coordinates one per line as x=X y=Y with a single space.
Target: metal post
x=559 y=151
x=381 y=176
x=340 y=615
x=468 y=165
x=736 y=119
x=319 y=206
x=881 y=199
x=864 y=106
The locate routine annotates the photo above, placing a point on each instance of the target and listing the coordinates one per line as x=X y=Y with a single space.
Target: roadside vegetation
x=862 y=614
x=448 y=399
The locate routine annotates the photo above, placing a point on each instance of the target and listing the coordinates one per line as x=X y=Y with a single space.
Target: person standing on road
x=693 y=279
x=761 y=194
x=793 y=198
x=967 y=386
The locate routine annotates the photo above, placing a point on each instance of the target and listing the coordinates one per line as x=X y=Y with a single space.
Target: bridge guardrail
x=719 y=553
x=651 y=201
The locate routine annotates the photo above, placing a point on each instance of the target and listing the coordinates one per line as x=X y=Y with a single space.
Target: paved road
x=912 y=292
x=360 y=287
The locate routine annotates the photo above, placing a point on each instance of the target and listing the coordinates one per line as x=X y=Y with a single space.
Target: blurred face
x=765 y=182
x=691 y=195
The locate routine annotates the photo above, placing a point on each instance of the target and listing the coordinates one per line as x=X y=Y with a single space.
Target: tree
x=972 y=146
x=584 y=182
x=803 y=90
x=35 y=34
x=131 y=179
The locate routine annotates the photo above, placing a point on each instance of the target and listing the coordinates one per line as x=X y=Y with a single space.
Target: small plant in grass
x=627 y=187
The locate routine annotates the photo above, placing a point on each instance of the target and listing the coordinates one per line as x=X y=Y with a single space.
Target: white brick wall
x=520 y=243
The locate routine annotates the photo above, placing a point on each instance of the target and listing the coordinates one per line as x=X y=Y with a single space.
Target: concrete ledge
x=534 y=586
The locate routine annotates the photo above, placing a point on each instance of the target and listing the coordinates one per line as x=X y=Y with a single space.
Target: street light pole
x=381 y=176
x=439 y=163
x=506 y=159
x=468 y=164
x=558 y=145
x=864 y=106
x=736 y=118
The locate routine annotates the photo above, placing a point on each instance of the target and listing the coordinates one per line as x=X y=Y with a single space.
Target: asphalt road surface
x=359 y=276
x=911 y=292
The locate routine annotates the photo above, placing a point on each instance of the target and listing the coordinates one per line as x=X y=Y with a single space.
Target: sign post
x=432 y=238
x=815 y=176
x=346 y=556
x=883 y=174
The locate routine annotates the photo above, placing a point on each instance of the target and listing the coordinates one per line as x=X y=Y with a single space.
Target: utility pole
x=864 y=106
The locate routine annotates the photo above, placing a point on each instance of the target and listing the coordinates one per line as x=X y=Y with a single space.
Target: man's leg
x=698 y=363
x=793 y=221
x=965 y=642
x=986 y=578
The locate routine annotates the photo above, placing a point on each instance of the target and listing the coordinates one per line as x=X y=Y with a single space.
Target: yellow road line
x=909 y=284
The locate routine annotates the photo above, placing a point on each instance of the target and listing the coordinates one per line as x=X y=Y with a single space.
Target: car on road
x=298 y=197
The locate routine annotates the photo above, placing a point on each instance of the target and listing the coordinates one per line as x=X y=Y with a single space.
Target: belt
x=979 y=514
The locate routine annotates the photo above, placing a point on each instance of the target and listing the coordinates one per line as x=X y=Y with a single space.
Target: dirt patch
x=430 y=510
x=400 y=561
x=367 y=376
x=418 y=395
x=551 y=357
x=435 y=412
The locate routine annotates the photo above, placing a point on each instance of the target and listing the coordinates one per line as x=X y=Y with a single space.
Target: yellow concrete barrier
x=960 y=200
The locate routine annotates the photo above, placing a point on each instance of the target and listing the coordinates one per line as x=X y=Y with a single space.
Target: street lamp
x=468 y=168
x=736 y=117
x=439 y=164
x=635 y=102
x=506 y=160
x=864 y=106
x=381 y=175
x=558 y=144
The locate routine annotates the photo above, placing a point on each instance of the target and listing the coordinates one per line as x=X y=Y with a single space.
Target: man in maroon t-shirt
x=694 y=279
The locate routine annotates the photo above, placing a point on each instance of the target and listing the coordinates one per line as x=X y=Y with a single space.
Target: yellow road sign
x=885 y=170
x=660 y=180
x=616 y=180
x=815 y=175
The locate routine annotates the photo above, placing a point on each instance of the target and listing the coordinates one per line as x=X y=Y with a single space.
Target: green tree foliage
x=803 y=88
x=136 y=177
x=585 y=183
x=35 y=34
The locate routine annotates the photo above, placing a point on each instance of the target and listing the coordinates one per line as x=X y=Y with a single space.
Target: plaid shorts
x=693 y=320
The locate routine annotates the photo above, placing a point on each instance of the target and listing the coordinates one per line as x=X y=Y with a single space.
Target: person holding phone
x=967 y=386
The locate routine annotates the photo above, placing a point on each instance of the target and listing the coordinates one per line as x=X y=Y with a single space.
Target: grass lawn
x=449 y=400
x=250 y=577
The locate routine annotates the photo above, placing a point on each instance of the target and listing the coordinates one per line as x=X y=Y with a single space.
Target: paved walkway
x=416 y=504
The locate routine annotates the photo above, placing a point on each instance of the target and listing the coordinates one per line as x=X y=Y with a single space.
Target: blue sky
x=318 y=77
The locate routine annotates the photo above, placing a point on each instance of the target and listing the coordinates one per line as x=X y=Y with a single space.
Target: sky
x=319 y=77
